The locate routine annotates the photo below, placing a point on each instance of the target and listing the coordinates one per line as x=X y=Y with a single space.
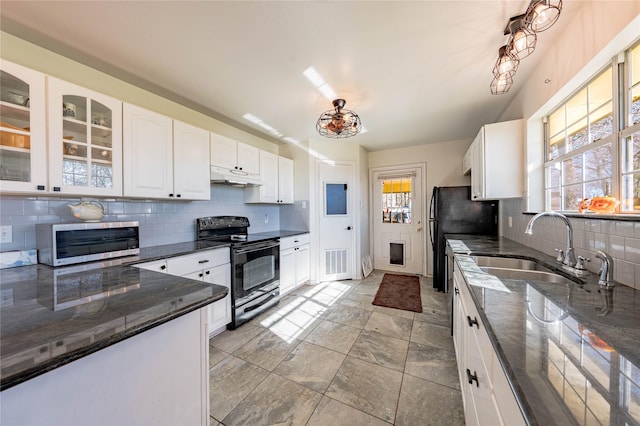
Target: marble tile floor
x=326 y=356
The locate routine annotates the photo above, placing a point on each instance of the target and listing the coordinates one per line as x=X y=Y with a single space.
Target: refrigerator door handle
x=432 y=217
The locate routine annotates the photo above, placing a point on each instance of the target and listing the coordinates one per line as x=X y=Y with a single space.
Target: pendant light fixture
x=522 y=31
x=542 y=14
x=506 y=64
x=501 y=84
x=522 y=41
x=339 y=123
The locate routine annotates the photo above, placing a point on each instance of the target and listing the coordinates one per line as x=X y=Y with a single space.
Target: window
x=397 y=194
x=586 y=134
x=631 y=135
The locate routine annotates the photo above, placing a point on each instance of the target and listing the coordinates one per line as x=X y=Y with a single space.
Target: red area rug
x=400 y=292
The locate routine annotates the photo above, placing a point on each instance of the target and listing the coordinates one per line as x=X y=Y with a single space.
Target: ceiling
x=416 y=72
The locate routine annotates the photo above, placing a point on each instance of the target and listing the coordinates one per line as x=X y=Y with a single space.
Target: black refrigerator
x=452 y=212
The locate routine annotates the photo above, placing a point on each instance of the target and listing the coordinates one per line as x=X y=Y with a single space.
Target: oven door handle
x=255 y=247
x=262 y=302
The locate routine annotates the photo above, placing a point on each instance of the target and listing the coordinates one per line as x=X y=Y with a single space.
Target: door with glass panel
x=336 y=222
x=23 y=153
x=398 y=237
x=85 y=141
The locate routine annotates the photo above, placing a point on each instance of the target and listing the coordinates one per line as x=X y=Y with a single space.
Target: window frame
x=621 y=115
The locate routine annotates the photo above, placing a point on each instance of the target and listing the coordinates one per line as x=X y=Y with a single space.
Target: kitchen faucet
x=606 y=270
x=569 y=257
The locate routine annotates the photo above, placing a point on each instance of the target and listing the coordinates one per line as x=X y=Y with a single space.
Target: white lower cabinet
x=486 y=394
x=211 y=266
x=294 y=262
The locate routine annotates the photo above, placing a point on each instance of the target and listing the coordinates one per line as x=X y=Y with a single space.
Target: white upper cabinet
x=148 y=153
x=164 y=159
x=285 y=180
x=23 y=147
x=191 y=162
x=85 y=141
x=496 y=162
x=236 y=157
x=277 y=181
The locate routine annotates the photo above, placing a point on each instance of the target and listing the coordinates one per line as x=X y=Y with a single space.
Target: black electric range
x=255 y=264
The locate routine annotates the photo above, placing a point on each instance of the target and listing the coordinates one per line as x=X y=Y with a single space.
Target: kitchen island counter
x=569 y=351
x=53 y=316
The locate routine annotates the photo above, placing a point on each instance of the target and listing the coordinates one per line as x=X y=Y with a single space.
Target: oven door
x=255 y=266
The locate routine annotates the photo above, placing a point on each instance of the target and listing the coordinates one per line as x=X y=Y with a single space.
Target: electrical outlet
x=510 y=222
x=6 y=234
x=266 y=218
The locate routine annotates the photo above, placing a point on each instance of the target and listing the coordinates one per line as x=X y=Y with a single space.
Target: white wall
x=444 y=168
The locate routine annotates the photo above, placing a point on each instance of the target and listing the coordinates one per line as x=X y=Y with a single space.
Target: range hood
x=221 y=175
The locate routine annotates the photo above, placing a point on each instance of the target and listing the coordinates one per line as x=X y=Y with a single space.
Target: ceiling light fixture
x=542 y=14
x=522 y=41
x=506 y=63
x=339 y=123
x=501 y=84
x=522 y=31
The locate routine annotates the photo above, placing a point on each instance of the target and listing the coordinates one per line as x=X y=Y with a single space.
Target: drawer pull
x=456 y=290
x=472 y=377
x=163 y=267
x=203 y=261
x=473 y=322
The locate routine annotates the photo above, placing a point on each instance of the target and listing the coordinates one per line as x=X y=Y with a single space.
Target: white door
x=336 y=221
x=399 y=240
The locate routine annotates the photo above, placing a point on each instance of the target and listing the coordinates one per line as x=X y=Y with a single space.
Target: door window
x=397 y=195
x=335 y=199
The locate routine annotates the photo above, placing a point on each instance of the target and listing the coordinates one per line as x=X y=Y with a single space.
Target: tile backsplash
x=620 y=239
x=161 y=222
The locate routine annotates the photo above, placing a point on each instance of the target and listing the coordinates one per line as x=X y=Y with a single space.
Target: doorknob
x=348 y=228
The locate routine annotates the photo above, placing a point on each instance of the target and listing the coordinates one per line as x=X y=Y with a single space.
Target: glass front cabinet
x=85 y=141
x=23 y=148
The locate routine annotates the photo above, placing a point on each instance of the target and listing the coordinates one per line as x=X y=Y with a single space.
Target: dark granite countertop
x=50 y=317
x=571 y=351
x=279 y=234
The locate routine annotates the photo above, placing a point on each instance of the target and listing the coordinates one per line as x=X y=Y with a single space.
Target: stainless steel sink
x=518 y=269
x=524 y=274
x=508 y=262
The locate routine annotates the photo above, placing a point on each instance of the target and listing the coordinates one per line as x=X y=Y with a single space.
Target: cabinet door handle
x=40 y=188
x=178 y=195
x=456 y=290
x=163 y=267
x=472 y=377
x=473 y=322
x=56 y=189
x=203 y=261
x=170 y=195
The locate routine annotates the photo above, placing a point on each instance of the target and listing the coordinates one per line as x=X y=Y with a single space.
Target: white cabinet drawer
x=156 y=265
x=184 y=265
x=294 y=241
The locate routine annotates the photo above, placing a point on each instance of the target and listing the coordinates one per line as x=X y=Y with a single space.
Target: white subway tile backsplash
x=600 y=242
x=625 y=229
x=624 y=272
x=632 y=250
x=161 y=222
x=621 y=239
x=616 y=246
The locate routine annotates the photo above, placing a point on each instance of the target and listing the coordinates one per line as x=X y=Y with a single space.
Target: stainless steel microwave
x=68 y=243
